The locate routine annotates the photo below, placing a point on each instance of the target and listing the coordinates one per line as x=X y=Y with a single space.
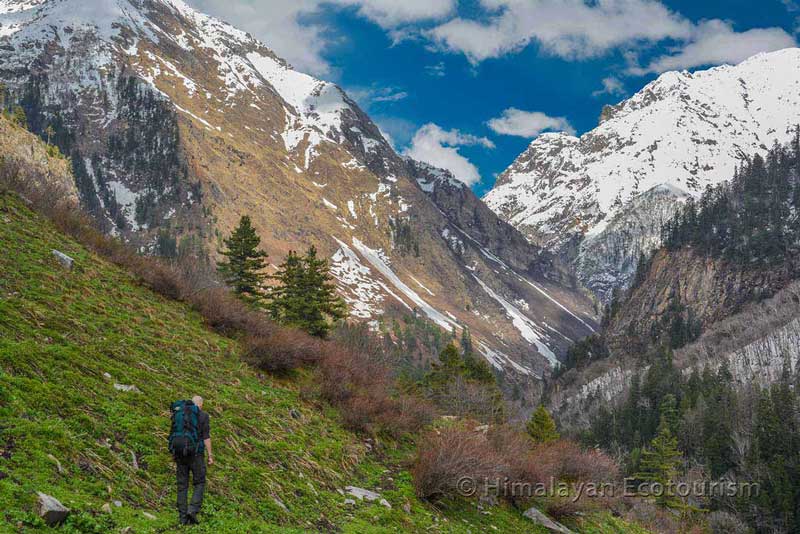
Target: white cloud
x=571 y=29
x=277 y=24
x=285 y=27
x=437 y=70
x=391 y=96
x=715 y=42
x=431 y=144
x=611 y=86
x=528 y=123
x=367 y=96
x=581 y=29
x=392 y=13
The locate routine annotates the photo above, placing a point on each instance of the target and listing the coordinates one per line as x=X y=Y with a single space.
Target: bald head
x=198 y=400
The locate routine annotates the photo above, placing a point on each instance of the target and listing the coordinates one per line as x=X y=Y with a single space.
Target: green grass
x=63 y=332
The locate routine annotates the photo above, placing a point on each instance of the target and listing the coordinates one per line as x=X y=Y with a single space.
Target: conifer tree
x=305 y=296
x=659 y=464
x=244 y=262
x=323 y=305
x=541 y=426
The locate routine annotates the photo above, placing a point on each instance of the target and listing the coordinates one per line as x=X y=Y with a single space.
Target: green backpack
x=184 y=437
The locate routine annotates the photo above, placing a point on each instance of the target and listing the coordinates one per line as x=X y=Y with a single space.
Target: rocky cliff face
x=178 y=124
x=707 y=288
x=756 y=344
x=582 y=198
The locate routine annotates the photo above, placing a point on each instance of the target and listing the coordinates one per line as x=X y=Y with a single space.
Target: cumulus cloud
x=611 y=86
x=392 y=13
x=582 y=29
x=284 y=25
x=438 y=147
x=573 y=29
x=715 y=42
x=277 y=24
x=528 y=123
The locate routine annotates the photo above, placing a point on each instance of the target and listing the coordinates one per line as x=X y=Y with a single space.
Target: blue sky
x=468 y=84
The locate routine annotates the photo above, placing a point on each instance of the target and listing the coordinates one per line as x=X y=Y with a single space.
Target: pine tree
x=244 y=263
x=323 y=305
x=541 y=426
x=305 y=296
x=659 y=464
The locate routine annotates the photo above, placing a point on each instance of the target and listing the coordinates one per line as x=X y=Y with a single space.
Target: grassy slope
x=60 y=331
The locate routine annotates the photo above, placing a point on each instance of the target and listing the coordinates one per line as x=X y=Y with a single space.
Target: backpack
x=184 y=437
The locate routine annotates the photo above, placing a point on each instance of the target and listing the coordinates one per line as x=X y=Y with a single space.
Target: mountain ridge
x=683 y=131
x=178 y=124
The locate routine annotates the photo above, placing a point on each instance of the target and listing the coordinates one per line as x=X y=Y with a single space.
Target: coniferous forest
x=753 y=219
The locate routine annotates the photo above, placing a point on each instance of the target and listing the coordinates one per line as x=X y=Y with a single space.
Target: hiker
x=189 y=439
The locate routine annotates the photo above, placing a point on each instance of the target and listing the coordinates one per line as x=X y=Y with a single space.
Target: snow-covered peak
x=686 y=130
x=315 y=111
x=681 y=133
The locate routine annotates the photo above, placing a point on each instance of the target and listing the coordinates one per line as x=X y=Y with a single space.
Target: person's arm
x=207 y=441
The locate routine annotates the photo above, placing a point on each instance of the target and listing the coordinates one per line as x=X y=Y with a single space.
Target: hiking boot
x=191 y=519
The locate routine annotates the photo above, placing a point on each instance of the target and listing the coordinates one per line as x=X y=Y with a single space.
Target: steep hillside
x=582 y=197
x=178 y=124
x=70 y=338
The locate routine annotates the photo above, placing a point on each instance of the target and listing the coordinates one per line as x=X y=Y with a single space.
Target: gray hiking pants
x=197 y=466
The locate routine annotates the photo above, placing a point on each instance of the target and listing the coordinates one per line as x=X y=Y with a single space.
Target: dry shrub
x=447 y=456
x=655 y=518
x=362 y=388
x=566 y=460
x=281 y=351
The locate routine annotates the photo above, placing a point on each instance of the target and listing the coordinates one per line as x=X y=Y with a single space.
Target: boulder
x=540 y=519
x=53 y=512
x=127 y=387
x=367 y=495
x=63 y=259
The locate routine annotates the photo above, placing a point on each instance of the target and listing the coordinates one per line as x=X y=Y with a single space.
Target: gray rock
x=63 y=259
x=540 y=519
x=280 y=504
x=53 y=512
x=367 y=495
x=127 y=387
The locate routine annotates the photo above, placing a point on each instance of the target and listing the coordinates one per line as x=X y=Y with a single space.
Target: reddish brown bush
x=566 y=460
x=449 y=456
x=363 y=390
x=280 y=351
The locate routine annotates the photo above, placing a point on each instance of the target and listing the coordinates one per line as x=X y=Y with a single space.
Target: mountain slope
x=66 y=339
x=178 y=124
x=582 y=197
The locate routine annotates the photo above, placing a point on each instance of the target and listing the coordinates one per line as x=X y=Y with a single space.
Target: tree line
x=752 y=219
